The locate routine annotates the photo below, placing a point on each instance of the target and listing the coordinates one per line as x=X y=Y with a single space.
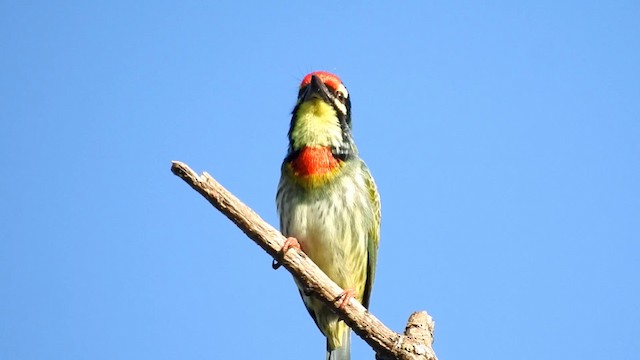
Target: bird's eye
x=340 y=96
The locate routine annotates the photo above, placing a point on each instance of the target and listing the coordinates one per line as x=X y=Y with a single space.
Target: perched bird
x=328 y=201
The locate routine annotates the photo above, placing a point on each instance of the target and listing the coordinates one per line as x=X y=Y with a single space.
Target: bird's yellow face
x=322 y=112
x=316 y=125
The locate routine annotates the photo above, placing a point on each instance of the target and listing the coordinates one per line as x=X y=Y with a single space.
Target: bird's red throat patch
x=313 y=161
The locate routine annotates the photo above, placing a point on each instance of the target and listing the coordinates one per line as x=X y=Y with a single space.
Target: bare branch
x=418 y=337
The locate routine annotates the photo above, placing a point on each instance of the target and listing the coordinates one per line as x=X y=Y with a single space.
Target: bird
x=328 y=203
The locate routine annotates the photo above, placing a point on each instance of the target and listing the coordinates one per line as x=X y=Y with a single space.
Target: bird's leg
x=346 y=296
x=290 y=243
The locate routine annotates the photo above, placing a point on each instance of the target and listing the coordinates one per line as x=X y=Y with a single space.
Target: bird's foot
x=290 y=243
x=346 y=296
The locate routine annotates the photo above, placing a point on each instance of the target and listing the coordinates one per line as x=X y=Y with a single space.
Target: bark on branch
x=414 y=344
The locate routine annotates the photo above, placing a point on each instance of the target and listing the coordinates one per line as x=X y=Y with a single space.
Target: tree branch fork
x=416 y=341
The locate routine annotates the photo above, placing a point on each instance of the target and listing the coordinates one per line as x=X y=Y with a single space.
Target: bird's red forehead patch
x=328 y=78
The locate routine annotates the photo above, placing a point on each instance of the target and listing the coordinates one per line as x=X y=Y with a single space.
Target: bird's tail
x=344 y=351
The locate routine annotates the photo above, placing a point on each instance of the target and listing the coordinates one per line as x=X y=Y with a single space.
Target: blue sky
x=504 y=139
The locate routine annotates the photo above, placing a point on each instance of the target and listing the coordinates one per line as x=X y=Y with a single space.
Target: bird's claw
x=346 y=296
x=290 y=243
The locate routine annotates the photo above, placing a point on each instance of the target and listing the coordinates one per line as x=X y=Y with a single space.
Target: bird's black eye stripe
x=336 y=94
x=301 y=91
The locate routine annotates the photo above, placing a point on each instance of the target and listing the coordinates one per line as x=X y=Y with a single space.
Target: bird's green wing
x=373 y=237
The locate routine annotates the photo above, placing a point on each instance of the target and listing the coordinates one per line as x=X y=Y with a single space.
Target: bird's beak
x=316 y=89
